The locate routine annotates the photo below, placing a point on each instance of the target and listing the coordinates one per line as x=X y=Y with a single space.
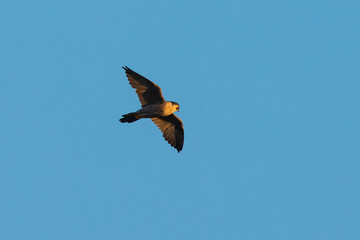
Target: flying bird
x=154 y=106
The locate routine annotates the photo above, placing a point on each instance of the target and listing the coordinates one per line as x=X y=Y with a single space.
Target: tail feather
x=130 y=117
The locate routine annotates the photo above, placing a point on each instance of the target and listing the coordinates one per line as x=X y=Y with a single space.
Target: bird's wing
x=147 y=91
x=172 y=129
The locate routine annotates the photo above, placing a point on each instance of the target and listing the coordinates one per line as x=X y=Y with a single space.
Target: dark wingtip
x=128 y=70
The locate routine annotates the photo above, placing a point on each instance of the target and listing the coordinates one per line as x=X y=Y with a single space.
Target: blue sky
x=269 y=96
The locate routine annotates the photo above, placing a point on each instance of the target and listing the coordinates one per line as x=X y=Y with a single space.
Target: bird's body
x=158 y=110
x=154 y=110
x=155 y=107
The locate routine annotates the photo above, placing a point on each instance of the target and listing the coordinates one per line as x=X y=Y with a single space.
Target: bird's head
x=176 y=106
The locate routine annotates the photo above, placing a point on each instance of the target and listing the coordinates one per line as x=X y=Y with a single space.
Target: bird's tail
x=130 y=117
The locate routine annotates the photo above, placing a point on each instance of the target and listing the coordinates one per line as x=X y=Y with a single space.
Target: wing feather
x=172 y=128
x=147 y=91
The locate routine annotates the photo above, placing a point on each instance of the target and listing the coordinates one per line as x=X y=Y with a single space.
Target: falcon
x=154 y=106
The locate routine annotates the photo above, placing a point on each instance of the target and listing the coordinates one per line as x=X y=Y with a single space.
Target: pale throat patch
x=169 y=109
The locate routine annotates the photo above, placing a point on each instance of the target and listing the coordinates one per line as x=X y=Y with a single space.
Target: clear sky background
x=269 y=96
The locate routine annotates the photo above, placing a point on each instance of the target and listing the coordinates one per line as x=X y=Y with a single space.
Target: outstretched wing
x=147 y=91
x=172 y=128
